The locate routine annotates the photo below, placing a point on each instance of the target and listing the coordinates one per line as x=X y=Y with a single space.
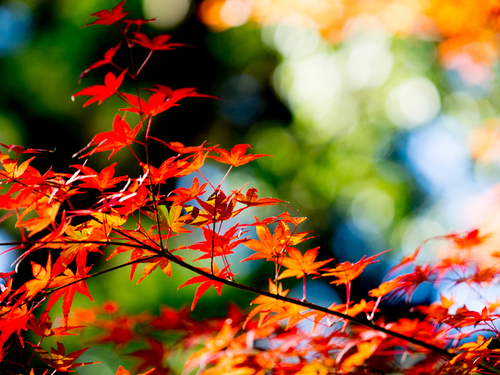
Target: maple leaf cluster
x=137 y=216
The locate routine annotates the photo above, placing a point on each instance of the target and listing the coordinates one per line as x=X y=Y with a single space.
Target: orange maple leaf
x=236 y=157
x=273 y=246
x=12 y=170
x=474 y=352
x=300 y=265
x=365 y=351
x=468 y=240
x=389 y=286
x=346 y=272
x=213 y=347
x=290 y=311
x=186 y=167
x=47 y=212
x=267 y=304
x=42 y=279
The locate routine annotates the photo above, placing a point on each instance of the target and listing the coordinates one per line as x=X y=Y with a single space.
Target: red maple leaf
x=167 y=169
x=139 y=22
x=184 y=195
x=187 y=167
x=108 y=56
x=101 y=181
x=172 y=319
x=21 y=150
x=81 y=240
x=152 y=357
x=14 y=319
x=160 y=101
x=216 y=245
x=151 y=108
x=119 y=331
x=102 y=92
x=121 y=136
x=413 y=280
x=159 y=43
x=218 y=207
x=206 y=282
x=165 y=90
x=272 y=246
x=70 y=287
x=43 y=327
x=105 y=17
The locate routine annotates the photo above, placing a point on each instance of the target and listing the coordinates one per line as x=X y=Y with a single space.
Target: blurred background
x=382 y=116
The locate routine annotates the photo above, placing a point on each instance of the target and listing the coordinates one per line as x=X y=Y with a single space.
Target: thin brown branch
x=173 y=259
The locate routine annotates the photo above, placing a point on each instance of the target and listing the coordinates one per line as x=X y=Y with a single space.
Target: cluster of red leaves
x=288 y=336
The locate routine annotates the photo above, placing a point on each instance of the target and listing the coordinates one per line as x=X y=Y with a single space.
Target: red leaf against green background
x=102 y=92
x=161 y=100
x=206 y=282
x=108 y=56
x=105 y=17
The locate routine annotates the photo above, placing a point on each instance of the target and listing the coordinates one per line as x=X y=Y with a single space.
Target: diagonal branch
x=246 y=288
